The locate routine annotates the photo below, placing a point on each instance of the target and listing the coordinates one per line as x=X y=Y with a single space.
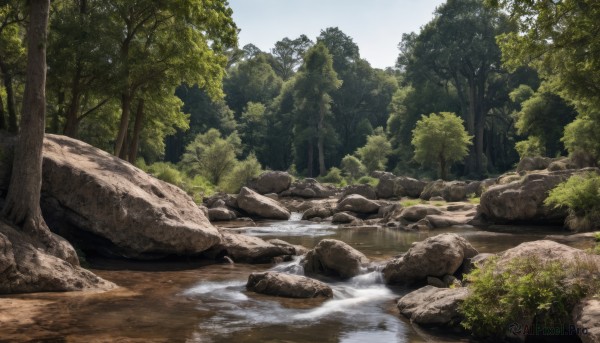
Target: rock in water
x=106 y=203
x=287 y=285
x=358 y=204
x=25 y=268
x=261 y=206
x=436 y=256
x=248 y=249
x=334 y=258
x=430 y=305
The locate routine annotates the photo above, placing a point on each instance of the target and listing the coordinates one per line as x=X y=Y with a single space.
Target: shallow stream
x=191 y=302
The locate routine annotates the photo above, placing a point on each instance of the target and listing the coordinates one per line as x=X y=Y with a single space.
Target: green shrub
x=167 y=172
x=199 y=188
x=531 y=147
x=528 y=291
x=580 y=194
x=367 y=180
x=241 y=173
x=333 y=176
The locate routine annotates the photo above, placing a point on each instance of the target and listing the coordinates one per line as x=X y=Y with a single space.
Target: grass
x=412 y=202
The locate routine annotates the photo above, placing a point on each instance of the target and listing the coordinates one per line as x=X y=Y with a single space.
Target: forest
x=166 y=87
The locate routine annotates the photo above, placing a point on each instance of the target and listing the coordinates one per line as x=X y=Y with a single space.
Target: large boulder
x=287 y=285
x=248 y=249
x=417 y=212
x=358 y=204
x=25 y=267
x=433 y=306
x=104 y=203
x=391 y=186
x=308 y=188
x=366 y=191
x=436 y=256
x=271 y=182
x=343 y=218
x=449 y=190
x=586 y=317
x=547 y=251
x=334 y=258
x=522 y=201
x=317 y=212
x=261 y=206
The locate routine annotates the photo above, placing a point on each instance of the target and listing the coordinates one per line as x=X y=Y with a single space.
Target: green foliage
x=167 y=172
x=528 y=290
x=367 y=180
x=241 y=173
x=334 y=175
x=211 y=156
x=197 y=187
x=580 y=194
x=530 y=148
x=581 y=138
x=374 y=155
x=441 y=138
x=352 y=167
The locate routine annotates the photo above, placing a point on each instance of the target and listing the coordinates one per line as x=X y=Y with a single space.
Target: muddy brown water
x=191 y=302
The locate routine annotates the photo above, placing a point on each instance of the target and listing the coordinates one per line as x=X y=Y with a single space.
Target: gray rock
x=308 y=188
x=271 y=182
x=476 y=261
x=391 y=186
x=343 y=218
x=261 y=206
x=436 y=256
x=366 y=191
x=26 y=267
x=220 y=214
x=248 y=249
x=317 y=212
x=102 y=202
x=418 y=212
x=586 y=315
x=430 y=305
x=334 y=258
x=287 y=285
x=436 y=282
x=522 y=201
x=449 y=190
x=358 y=204
x=533 y=163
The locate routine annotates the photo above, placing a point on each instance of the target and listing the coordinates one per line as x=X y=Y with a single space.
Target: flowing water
x=190 y=302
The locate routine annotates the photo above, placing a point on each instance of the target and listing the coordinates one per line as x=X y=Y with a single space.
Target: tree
x=352 y=167
x=253 y=129
x=288 y=55
x=211 y=156
x=314 y=82
x=441 y=138
x=374 y=154
x=22 y=205
x=458 y=46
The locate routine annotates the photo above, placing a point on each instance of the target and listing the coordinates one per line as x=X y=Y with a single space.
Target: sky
x=376 y=26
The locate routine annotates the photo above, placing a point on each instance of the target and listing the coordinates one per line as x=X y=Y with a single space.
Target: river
x=194 y=302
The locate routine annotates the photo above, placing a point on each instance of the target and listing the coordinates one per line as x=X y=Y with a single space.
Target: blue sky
x=375 y=25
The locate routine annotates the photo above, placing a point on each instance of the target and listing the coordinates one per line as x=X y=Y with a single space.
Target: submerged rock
x=436 y=256
x=26 y=268
x=104 y=203
x=261 y=206
x=334 y=258
x=430 y=305
x=287 y=285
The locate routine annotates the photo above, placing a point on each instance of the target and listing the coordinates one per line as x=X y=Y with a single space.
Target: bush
x=580 y=194
x=352 y=167
x=199 y=188
x=529 y=291
x=241 y=173
x=334 y=176
x=531 y=147
x=367 y=180
x=167 y=172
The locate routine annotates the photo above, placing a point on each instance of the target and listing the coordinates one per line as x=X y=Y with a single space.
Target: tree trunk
x=71 y=121
x=2 y=116
x=22 y=205
x=309 y=165
x=137 y=129
x=60 y=112
x=443 y=169
x=472 y=159
x=320 y=133
x=10 y=99
x=124 y=124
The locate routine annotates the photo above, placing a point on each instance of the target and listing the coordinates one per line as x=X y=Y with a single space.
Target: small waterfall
x=296 y=216
x=293 y=267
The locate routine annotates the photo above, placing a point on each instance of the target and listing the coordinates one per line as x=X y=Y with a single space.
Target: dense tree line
x=165 y=81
